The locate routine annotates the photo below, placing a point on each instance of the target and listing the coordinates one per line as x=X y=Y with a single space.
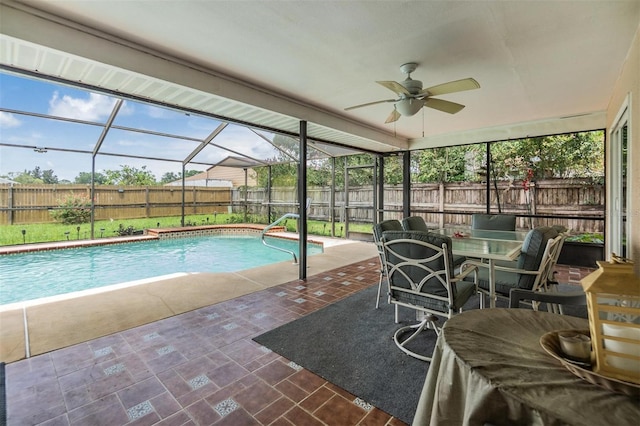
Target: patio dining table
x=491 y=246
x=484 y=234
x=488 y=367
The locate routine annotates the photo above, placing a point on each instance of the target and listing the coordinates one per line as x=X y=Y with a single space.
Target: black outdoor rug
x=349 y=343
x=3 y=396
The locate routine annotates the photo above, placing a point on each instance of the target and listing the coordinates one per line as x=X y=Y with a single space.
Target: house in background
x=232 y=172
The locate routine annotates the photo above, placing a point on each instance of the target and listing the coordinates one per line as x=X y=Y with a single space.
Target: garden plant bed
x=581 y=254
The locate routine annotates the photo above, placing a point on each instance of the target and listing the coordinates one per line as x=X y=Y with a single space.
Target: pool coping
x=153 y=234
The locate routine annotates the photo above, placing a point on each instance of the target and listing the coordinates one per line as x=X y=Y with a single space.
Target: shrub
x=122 y=230
x=594 y=238
x=73 y=210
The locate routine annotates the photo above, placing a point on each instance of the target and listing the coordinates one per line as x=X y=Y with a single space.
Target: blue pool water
x=34 y=275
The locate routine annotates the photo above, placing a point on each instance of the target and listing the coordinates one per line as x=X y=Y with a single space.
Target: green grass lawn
x=45 y=232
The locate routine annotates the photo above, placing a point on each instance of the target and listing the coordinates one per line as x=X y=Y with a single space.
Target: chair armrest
x=465 y=270
x=499 y=268
x=564 y=298
x=516 y=270
x=472 y=262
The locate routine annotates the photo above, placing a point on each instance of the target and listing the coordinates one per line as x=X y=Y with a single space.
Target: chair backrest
x=414 y=223
x=562 y=231
x=538 y=251
x=551 y=279
x=385 y=225
x=419 y=261
x=493 y=222
x=378 y=229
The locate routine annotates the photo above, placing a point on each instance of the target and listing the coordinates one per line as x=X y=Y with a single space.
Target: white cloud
x=8 y=120
x=96 y=108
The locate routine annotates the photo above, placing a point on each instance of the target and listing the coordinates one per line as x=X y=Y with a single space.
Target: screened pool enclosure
x=133 y=159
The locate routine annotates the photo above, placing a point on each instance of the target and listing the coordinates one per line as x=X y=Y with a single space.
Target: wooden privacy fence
x=20 y=204
x=557 y=197
x=31 y=203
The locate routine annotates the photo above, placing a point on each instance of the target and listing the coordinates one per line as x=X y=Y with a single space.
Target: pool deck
x=64 y=321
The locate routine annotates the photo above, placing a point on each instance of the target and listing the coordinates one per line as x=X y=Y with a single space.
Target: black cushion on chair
x=493 y=222
x=530 y=257
x=461 y=290
x=386 y=225
x=414 y=223
x=532 y=250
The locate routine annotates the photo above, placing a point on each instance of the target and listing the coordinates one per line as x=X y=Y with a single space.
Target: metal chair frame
x=541 y=274
x=398 y=265
x=391 y=224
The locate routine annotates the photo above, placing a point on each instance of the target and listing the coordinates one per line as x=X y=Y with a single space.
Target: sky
x=18 y=93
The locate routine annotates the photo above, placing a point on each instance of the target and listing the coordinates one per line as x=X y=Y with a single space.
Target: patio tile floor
x=199 y=368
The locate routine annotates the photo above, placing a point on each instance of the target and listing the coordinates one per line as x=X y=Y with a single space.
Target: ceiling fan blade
x=442 y=105
x=394 y=86
x=370 y=103
x=451 y=87
x=394 y=116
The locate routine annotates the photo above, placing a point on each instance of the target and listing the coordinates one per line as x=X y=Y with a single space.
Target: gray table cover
x=488 y=367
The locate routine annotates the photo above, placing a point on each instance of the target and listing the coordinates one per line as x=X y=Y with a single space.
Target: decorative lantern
x=613 y=301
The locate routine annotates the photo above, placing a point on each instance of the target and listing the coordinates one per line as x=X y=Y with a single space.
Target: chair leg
x=379 y=290
x=428 y=322
x=554 y=307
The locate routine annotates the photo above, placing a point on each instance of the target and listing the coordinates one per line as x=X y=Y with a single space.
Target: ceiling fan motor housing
x=413 y=86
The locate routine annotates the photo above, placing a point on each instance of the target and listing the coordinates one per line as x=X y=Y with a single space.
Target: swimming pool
x=34 y=275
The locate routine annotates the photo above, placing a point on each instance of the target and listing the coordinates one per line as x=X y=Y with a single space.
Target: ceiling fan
x=412 y=97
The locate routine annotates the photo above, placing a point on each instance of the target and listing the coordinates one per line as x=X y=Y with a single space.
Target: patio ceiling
x=544 y=66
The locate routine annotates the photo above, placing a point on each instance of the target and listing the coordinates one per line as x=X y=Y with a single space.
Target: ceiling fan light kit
x=409 y=106
x=412 y=97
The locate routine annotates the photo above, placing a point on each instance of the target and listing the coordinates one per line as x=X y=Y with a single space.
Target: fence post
x=193 y=192
x=10 y=203
x=532 y=201
x=147 y=206
x=441 y=205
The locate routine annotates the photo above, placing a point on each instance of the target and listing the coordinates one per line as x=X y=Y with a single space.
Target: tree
x=129 y=175
x=447 y=164
x=393 y=170
x=49 y=177
x=36 y=176
x=319 y=172
x=283 y=174
x=172 y=177
x=26 y=178
x=572 y=155
x=85 y=177
x=358 y=176
x=169 y=177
